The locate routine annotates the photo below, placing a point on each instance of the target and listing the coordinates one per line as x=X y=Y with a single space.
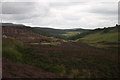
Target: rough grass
x=12 y=54
x=75 y=60
x=12 y=49
x=111 y=37
x=99 y=39
x=70 y=59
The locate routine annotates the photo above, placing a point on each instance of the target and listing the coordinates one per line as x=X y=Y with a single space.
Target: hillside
x=101 y=37
x=43 y=56
x=106 y=37
x=25 y=34
x=50 y=32
x=58 y=33
x=14 y=47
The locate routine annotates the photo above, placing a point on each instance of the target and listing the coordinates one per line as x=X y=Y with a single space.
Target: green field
x=68 y=34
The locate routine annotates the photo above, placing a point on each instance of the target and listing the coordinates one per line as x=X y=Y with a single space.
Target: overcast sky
x=61 y=14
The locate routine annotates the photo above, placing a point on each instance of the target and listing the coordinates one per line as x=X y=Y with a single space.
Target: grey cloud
x=17 y=7
x=105 y=8
x=104 y=11
x=65 y=4
x=60 y=14
x=24 y=10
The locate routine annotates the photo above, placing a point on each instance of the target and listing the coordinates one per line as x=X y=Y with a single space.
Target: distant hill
x=24 y=33
x=98 y=35
x=58 y=33
x=11 y=24
x=50 y=32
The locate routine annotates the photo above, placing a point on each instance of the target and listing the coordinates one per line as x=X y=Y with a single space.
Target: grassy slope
x=18 y=64
x=74 y=59
x=12 y=49
x=70 y=34
x=98 y=37
x=101 y=38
